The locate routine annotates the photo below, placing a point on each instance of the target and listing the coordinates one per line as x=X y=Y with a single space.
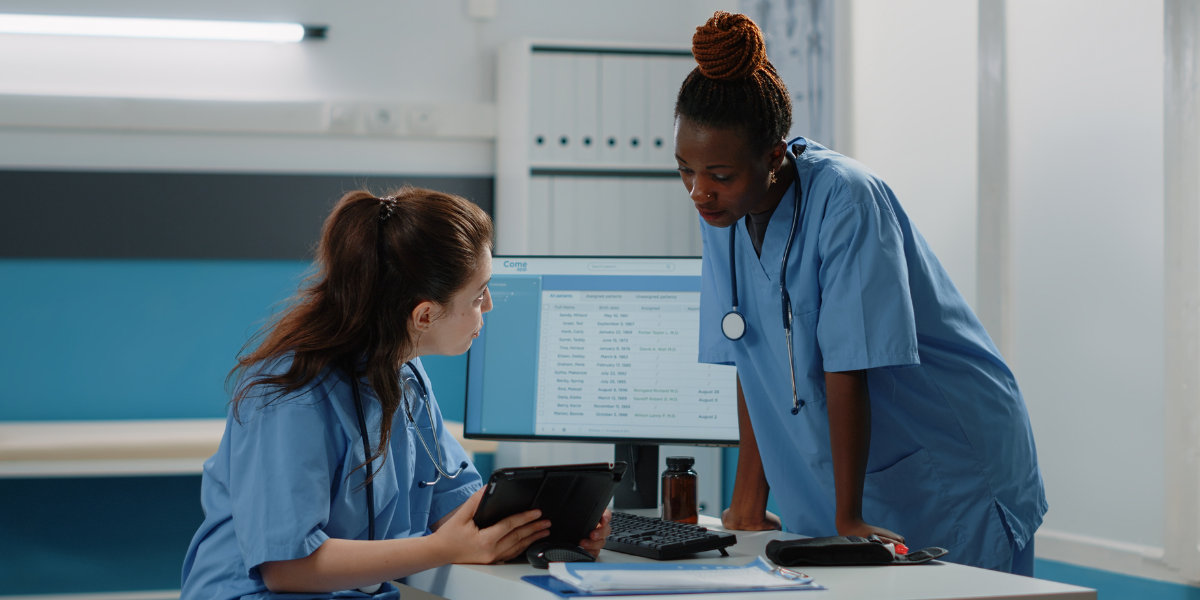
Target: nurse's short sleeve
x=283 y=457
x=715 y=348
x=448 y=494
x=866 y=318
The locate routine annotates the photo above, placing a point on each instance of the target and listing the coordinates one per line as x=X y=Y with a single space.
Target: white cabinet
x=584 y=151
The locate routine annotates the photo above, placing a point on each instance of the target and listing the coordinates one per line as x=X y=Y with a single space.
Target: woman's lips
x=710 y=215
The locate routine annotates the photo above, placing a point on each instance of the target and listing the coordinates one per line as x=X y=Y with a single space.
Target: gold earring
x=772 y=182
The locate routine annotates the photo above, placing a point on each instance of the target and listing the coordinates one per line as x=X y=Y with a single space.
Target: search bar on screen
x=629 y=265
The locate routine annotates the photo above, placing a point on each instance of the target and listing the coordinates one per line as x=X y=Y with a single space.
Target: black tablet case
x=573 y=497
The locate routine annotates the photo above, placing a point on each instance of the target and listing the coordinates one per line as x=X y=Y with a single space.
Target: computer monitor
x=598 y=349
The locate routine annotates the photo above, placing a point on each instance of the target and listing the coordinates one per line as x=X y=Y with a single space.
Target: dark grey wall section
x=58 y=214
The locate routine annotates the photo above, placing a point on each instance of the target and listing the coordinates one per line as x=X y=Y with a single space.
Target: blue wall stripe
x=1113 y=586
x=143 y=339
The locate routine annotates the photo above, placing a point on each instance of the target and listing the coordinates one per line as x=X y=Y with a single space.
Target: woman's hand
x=765 y=522
x=503 y=541
x=863 y=529
x=595 y=541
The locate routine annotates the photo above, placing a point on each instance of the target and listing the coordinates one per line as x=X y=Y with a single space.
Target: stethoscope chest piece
x=733 y=325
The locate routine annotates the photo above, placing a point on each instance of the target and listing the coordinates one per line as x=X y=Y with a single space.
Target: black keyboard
x=663 y=540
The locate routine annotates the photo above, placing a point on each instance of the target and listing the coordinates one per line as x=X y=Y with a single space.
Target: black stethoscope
x=733 y=324
x=411 y=385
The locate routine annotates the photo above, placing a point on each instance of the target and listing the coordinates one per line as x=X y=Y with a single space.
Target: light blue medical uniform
x=280 y=485
x=952 y=460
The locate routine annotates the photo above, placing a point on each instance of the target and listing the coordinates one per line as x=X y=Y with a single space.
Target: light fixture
x=160 y=28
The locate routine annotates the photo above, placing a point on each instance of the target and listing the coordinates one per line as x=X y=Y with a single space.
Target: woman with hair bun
x=870 y=398
x=335 y=473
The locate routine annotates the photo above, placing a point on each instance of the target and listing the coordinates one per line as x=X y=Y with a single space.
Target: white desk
x=933 y=581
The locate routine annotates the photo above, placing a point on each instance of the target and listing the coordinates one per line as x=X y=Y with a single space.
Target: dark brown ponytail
x=735 y=86
x=377 y=260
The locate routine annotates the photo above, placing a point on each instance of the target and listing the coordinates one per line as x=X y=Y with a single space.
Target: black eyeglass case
x=843 y=550
x=573 y=497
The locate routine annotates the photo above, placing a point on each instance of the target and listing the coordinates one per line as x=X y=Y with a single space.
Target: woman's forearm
x=849 y=406
x=350 y=564
x=750 y=488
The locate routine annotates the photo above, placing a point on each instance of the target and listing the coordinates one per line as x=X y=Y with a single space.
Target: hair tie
x=387 y=205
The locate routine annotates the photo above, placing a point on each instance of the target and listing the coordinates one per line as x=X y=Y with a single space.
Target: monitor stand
x=639 y=486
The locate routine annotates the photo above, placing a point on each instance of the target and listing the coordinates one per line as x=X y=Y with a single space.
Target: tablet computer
x=573 y=497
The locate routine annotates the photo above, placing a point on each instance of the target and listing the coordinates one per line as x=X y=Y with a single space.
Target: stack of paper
x=675 y=578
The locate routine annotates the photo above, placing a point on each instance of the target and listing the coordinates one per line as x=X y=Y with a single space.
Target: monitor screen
x=599 y=349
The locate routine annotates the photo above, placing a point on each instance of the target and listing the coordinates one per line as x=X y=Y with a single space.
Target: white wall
x=914 y=115
x=1086 y=102
x=412 y=51
x=1085 y=89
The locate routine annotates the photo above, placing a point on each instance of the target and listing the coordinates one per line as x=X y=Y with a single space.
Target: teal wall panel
x=63 y=536
x=1113 y=586
x=143 y=339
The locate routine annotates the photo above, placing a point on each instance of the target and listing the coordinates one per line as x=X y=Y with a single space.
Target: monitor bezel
x=586 y=439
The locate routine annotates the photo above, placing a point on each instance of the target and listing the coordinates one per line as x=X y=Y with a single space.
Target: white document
x=600 y=577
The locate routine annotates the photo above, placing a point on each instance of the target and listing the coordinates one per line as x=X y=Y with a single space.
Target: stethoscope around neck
x=410 y=386
x=733 y=324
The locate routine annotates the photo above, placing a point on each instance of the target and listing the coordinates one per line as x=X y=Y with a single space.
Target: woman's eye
x=683 y=170
x=721 y=177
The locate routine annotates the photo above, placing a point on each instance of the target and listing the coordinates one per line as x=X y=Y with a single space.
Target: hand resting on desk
x=734 y=521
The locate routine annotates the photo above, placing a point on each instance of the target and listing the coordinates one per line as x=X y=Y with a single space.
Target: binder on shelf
x=633 y=111
x=662 y=87
x=609 y=216
x=587 y=101
x=568 y=229
x=540 y=216
x=540 y=100
x=562 y=109
x=612 y=84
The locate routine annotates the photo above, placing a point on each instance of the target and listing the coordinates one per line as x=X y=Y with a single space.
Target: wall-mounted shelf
x=119 y=448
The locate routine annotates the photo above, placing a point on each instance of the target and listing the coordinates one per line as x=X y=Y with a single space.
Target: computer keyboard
x=663 y=540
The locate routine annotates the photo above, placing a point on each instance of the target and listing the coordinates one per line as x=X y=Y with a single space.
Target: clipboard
x=573 y=497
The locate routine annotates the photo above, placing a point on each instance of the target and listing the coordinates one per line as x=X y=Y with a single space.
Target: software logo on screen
x=520 y=266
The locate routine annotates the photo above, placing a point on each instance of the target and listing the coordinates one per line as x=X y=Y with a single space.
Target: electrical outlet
x=422 y=120
x=382 y=119
x=343 y=118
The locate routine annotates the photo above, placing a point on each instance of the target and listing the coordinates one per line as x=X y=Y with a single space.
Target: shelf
x=114 y=448
x=604 y=170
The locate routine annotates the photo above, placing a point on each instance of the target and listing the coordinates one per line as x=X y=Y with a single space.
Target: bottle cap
x=680 y=462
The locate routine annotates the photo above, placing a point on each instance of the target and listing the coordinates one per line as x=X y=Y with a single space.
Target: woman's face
x=725 y=178
x=451 y=328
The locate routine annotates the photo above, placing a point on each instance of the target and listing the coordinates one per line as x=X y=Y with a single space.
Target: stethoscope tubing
x=362 y=428
x=785 y=297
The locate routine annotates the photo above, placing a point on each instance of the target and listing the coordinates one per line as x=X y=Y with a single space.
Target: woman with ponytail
x=324 y=483
x=886 y=409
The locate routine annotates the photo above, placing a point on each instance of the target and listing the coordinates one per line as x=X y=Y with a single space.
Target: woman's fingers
x=510 y=524
x=599 y=536
x=519 y=539
x=468 y=508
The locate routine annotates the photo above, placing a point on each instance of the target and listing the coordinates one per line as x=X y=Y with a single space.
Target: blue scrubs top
x=280 y=485
x=952 y=460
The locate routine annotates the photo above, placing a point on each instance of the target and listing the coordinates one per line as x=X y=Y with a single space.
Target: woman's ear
x=423 y=316
x=776 y=156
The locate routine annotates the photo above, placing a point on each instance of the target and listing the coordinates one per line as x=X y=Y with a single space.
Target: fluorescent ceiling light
x=159 y=28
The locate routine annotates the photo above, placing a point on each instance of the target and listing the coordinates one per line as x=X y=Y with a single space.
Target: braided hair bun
x=729 y=47
x=735 y=86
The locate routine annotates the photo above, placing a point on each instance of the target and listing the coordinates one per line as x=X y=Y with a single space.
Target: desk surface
x=932 y=581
